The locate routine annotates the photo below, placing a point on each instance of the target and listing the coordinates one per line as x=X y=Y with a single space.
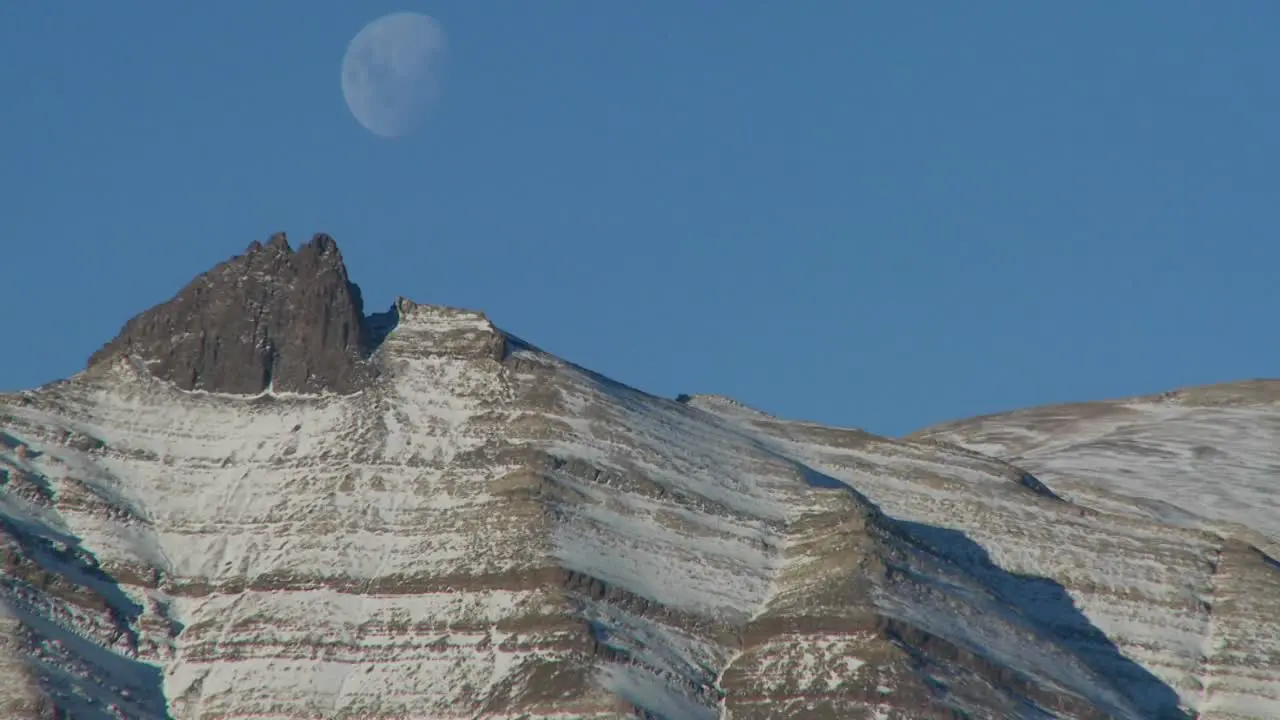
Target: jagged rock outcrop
x=490 y=531
x=271 y=317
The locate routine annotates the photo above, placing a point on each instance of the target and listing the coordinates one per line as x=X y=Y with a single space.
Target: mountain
x=258 y=501
x=1201 y=457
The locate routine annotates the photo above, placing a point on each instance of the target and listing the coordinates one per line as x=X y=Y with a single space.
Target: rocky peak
x=269 y=318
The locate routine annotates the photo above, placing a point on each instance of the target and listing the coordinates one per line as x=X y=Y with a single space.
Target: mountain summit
x=272 y=317
x=427 y=517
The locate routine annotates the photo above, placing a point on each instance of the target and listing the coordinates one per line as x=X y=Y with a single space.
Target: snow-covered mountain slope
x=485 y=530
x=1203 y=459
x=1199 y=455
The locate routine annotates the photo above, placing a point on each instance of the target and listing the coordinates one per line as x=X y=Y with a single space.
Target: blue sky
x=873 y=214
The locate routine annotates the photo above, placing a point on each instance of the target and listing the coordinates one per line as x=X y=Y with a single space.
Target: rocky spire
x=271 y=317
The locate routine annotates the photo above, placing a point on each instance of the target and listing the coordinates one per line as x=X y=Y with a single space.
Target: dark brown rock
x=271 y=317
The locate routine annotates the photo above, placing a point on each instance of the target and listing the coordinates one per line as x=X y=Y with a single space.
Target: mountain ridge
x=477 y=528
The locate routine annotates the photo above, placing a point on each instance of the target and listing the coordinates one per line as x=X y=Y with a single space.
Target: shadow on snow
x=81 y=677
x=1043 y=602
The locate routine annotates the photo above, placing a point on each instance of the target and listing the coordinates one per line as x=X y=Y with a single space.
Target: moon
x=391 y=72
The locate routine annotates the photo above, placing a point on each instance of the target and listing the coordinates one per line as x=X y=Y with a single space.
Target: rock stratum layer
x=458 y=525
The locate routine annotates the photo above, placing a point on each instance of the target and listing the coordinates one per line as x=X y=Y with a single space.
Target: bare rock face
x=271 y=317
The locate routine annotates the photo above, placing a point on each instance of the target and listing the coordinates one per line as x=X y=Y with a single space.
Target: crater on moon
x=391 y=72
